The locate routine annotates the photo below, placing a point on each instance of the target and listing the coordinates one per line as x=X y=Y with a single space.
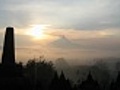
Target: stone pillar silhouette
x=11 y=73
x=8 y=56
x=8 y=67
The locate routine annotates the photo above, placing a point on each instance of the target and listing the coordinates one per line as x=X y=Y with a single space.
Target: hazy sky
x=76 y=29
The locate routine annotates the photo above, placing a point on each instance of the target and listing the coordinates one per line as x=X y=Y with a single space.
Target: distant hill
x=63 y=42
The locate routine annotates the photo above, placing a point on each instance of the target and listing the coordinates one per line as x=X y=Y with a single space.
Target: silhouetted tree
x=116 y=85
x=39 y=71
x=60 y=83
x=55 y=83
x=89 y=84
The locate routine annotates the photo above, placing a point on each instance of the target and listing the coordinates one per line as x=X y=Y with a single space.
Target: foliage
x=38 y=70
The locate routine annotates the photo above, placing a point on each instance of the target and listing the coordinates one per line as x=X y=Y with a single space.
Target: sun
x=37 y=31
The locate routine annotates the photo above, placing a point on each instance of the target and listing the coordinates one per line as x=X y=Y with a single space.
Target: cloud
x=77 y=14
x=104 y=44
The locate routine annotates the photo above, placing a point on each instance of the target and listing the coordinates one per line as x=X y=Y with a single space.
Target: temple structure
x=8 y=67
x=11 y=75
x=8 y=56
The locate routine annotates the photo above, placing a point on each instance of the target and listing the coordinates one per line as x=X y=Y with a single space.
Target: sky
x=73 y=29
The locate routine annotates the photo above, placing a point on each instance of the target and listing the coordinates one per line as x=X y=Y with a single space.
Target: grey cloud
x=69 y=14
x=18 y=18
x=100 y=44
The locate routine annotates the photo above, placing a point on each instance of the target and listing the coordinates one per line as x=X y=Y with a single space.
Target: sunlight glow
x=37 y=31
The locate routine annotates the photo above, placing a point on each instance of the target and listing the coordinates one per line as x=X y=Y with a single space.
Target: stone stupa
x=8 y=67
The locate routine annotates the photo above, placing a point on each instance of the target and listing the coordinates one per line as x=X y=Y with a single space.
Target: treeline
x=44 y=76
x=38 y=74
